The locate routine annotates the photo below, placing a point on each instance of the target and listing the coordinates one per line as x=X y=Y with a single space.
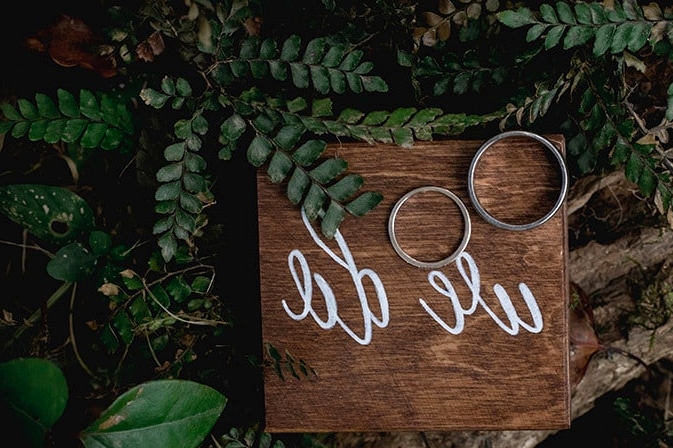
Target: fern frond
x=623 y=26
x=95 y=121
x=324 y=67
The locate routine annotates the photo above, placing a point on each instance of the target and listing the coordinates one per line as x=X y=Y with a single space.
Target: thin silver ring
x=562 y=194
x=429 y=264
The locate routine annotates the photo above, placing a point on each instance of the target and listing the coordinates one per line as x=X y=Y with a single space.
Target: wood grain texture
x=414 y=374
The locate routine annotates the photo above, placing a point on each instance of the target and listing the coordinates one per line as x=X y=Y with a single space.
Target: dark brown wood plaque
x=481 y=343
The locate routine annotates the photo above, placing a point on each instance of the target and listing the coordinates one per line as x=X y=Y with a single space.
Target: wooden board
x=400 y=348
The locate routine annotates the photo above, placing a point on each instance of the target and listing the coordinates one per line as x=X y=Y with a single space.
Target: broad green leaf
x=554 y=36
x=168 y=245
x=200 y=124
x=346 y=187
x=112 y=139
x=54 y=131
x=565 y=13
x=315 y=50
x=535 y=31
x=321 y=107
x=288 y=136
x=88 y=105
x=259 y=150
x=334 y=56
x=37 y=130
x=239 y=68
x=374 y=84
x=309 y=152
x=20 y=129
x=170 y=172
x=195 y=163
x=354 y=82
x=178 y=289
x=300 y=74
x=516 y=19
x=403 y=137
x=296 y=186
x=332 y=220
x=621 y=37
x=548 y=13
x=620 y=153
x=320 y=79
x=639 y=35
x=278 y=70
x=194 y=183
x=163 y=413
x=268 y=49
x=250 y=48
x=46 y=106
x=597 y=13
x=279 y=167
x=313 y=202
x=351 y=60
x=168 y=86
x=190 y=203
x=174 y=152
x=375 y=118
x=67 y=103
x=400 y=116
x=364 y=203
x=603 y=41
x=100 y=242
x=183 y=87
x=10 y=112
x=647 y=182
x=328 y=170
x=337 y=80
x=633 y=168
x=290 y=50
x=50 y=213
x=167 y=192
x=577 y=35
x=583 y=13
x=28 y=109
x=35 y=392
x=151 y=97
x=93 y=135
x=72 y=263
x=186 y=221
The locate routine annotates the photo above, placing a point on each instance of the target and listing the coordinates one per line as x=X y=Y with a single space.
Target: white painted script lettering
x=304 y=284
x=307 y=281
x=443 y=285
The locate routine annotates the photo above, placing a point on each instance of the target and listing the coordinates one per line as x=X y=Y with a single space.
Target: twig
x=38 y=313
x=73 y=340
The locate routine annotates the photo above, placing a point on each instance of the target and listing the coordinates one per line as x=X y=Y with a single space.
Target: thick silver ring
x=564 y=181
x=429 y=264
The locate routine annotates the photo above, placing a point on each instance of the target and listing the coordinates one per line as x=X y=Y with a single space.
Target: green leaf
x=10 y=112
x=195 y=163
x=351 y=60
x=290 y=50
x=583 y=13
x=364 y=203
x=403 y=137
x=554 y=36
x=603 y=41
x=279 y=167
x=647 y=182
x=28 y=109
x=577 y=35
x=621 y=37
x=194 y=183
x=67 y=103
x=72 y=263
x=313 y=201
x=620 y=152
x=37 y=130
x=565 y=13
x=320 y=79
x=164 y=413
x=93 y=135
x=288 y=136
x=321 y=107
x=516 y=19
x=259 y=150
x=268 y=49
x=328 y=170
x=332 y=220
x=639 y=35
x=337 y=80
x=100 y=242
x=190 y=203
x=88 y=105
x=345 y=187
x=35 y=393
x=174 y=152
x=170 y=172
x=150 y=96
x=633 y=168
x=334 y=56
x=183 y=87
x=535 y=31
x=374 y=84
x=548 y=13
x=300 y=75
x=168 y=192
x=315 y=50
x=297 y=185
x=50 y=213
x=309 y=152
x=46 y=106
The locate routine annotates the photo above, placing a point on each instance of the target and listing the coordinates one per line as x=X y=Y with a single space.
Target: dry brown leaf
x=584 y=342
x=71 y=43
x=150 y=47
x=446 y=6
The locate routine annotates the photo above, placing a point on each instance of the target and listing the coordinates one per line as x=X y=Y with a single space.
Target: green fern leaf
x=332 y=219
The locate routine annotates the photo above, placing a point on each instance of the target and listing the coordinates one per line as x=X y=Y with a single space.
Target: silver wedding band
x=562 y=194
x=429 y=264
